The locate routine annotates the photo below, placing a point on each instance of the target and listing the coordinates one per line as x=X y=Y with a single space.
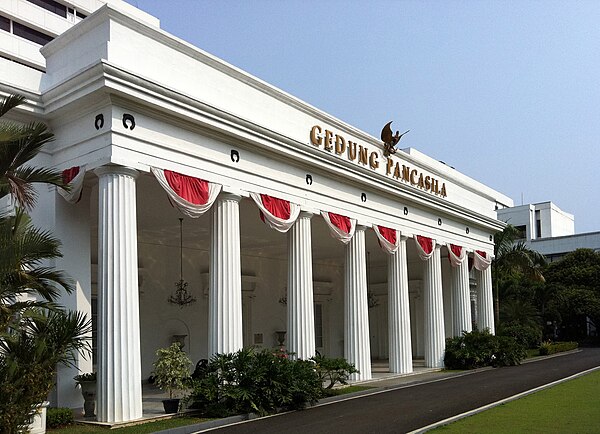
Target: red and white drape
x=425 y=247
x=73 y=177
x=456 y=254
x=193 y=196
x=279 y=214
x=481 y=260
x=341 y=227
x=388 y=238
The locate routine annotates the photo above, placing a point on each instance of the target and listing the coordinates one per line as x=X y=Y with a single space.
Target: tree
x=512 y=259
x=35 y=334
x=575 y=282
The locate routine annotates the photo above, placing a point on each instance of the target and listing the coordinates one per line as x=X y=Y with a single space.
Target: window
x=318 y=325
x=4 y=24
x=31 y=34
x=522 y=232
x=538 y=225
x=52 y=6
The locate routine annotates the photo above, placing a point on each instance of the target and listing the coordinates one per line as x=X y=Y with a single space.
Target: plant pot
x=38 y=421
x=171 y=405
x=88 y=390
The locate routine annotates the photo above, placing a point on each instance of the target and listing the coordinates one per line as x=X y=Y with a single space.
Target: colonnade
x=119 y=361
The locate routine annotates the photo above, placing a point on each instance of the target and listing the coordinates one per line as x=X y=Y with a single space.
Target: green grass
x=149 y=427
x=570 y=407
x=533 y=352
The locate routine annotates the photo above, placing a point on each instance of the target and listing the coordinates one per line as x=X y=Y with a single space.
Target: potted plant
x=87 y=382
x=171 y=373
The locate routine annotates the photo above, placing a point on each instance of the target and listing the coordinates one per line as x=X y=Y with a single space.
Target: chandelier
x=181 y=297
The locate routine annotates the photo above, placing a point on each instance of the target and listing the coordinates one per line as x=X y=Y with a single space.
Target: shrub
x=172 y=368
x=528 y=336
x=254 y=381
x=57 y=417
x=547 y=348
x=333 y=370
x=480 y=348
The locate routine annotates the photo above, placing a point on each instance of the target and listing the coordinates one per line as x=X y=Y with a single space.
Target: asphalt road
x=415 y=406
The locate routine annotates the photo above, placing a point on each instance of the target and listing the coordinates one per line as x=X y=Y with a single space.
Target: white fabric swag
x=455 y=260
x=338 y=233
x=275 y=222
x=76 y=184
x=425 y=256
x=188 y=208
x=481 y=262
x=386 y=245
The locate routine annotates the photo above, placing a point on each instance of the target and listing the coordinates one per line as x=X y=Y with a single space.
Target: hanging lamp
x=181 y=297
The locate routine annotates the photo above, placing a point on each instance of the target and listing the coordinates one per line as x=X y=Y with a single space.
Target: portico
x=302 y=228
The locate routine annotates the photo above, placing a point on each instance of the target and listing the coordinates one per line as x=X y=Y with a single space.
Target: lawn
x=570 y=407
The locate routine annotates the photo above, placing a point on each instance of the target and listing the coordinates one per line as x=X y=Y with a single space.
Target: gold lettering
x=413 y=173
x=328 y=144
x=397 y=171
x=443 y=190
x=435 y=186
x=420 y=183
x=373 y=160
x=340 y=144
x=428 y=183
x=351 y=151
x=388 y=166
x=363 y=155
x=315 y=137
x=405 y=173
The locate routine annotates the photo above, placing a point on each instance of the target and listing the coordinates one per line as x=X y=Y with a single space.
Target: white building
x=548 y=229
x=128 y=101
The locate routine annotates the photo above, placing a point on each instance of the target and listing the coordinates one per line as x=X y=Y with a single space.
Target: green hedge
x=481 y=348
x=557 y=347
x=57 y=417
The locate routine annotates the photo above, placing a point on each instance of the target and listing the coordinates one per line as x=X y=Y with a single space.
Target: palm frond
x=10 y=102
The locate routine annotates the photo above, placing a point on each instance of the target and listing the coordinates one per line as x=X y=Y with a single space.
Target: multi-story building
x=549 y=230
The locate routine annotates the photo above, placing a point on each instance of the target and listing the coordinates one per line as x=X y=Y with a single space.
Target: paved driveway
x=414 y=406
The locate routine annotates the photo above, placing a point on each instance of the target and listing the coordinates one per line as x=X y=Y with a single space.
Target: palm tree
x=18 y=145
x=35 y=333
x=512 y=257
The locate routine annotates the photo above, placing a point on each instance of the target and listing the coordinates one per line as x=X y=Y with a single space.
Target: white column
x=119 y=361
x=225 y=294
x=399 y=312
x=357 y=348
x=461 y=299
x=485 y=300
x=300 y=314
x=434 y=311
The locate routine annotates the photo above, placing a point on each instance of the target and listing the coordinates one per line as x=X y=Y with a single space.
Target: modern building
x=297 y=226
x=548 y=230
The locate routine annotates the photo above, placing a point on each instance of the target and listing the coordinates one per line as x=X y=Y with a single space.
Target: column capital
x=114 y=169
x=306 y=215
x=360 y=227
x=233 y=197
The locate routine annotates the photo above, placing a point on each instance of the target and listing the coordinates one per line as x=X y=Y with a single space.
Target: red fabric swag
x=340 y=221
x=457 y=250
x=425 y=243
x=481 y=253
x=194 y=190
x=278 y=207
x=69 y=174
x=388 y=233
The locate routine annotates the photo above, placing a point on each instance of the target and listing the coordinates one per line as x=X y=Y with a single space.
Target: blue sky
x=507 y=92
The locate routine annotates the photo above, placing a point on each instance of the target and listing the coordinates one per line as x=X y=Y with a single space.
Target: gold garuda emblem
x=390 y=140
